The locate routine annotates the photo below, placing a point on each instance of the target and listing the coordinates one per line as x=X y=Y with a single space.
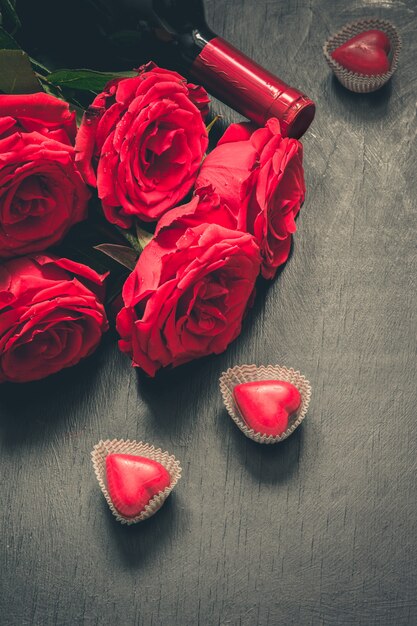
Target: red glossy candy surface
x=133 y=481
x=267 y=405
x=366 y=53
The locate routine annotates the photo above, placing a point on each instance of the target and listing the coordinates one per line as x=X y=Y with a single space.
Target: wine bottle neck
x=222 y=69
x=192 y=43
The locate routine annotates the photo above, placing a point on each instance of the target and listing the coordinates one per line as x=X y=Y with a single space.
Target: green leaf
x=39 y=67
x=131 y=239
x=6 y=41
x=144 y=237
x=48 y=88
x=122 y=254
x=85 y=80
x=11 y=18
x=16 y=73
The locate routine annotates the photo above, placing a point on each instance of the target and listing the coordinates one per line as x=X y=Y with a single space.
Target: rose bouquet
x=195 y=228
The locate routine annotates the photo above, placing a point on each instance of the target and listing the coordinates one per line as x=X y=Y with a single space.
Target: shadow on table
x=366 y=106
x=191 y=387
x=172 y=397
x=138 y=543
x=32 y=412
x=268 y=463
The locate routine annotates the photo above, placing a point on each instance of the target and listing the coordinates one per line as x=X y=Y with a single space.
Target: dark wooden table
x=320 y=529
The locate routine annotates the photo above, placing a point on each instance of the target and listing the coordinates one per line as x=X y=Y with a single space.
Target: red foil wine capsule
x=250 y=89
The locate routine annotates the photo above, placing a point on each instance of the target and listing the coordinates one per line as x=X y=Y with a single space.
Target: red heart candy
x=133 y=481
x=267 y=406
x=366 y=53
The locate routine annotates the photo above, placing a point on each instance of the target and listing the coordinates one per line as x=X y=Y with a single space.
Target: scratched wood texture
x=318 y=530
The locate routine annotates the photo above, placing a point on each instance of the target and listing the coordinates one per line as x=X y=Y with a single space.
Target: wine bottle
x=222 y=69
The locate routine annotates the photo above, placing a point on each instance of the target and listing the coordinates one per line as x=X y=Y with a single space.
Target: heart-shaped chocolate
x=133 y=481
x=366 y=53
x=267 y=406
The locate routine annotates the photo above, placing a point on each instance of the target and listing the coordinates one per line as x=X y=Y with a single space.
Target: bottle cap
x=295 y=112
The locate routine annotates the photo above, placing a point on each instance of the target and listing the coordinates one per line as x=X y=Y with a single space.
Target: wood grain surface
x=320 y=529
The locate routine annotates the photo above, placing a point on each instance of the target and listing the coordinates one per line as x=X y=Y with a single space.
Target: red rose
x=141 y=144
x=188 y=293
x=42 y=193
x=259 y=175
x=51 y=316
x=206 y=206
x=38 y=112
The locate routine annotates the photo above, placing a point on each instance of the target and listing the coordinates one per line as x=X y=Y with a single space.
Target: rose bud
x=51 y=316
x=141 y=143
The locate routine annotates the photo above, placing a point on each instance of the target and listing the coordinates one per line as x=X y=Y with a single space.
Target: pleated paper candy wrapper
x=354 y=81
x=135 y=448
x=249 y=373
